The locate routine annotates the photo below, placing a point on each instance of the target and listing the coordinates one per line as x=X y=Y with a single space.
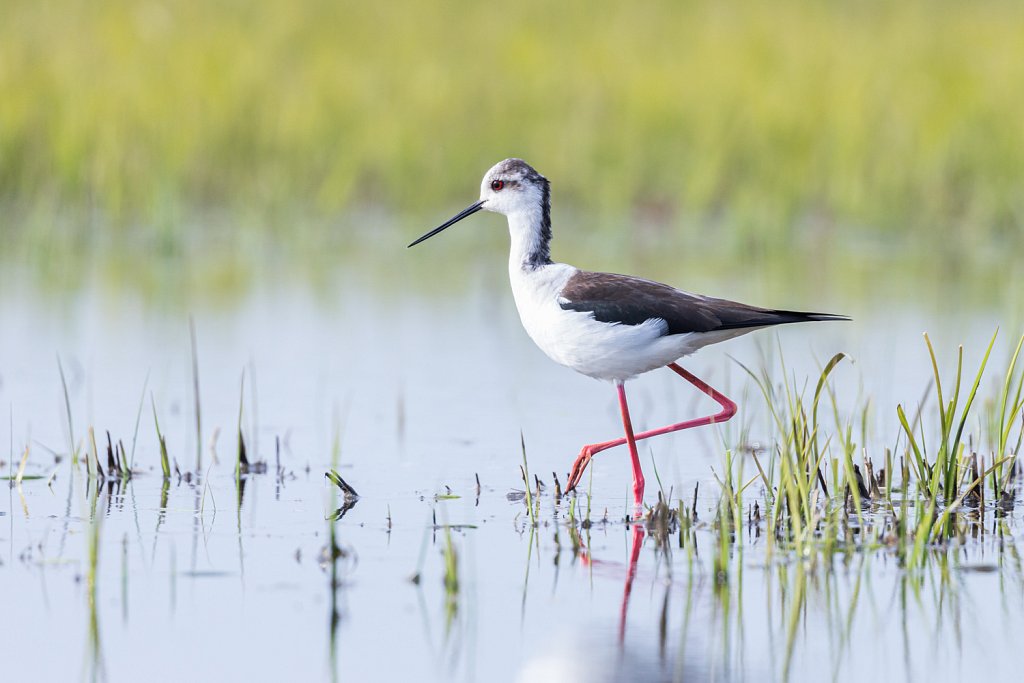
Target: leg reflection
x=634 y=555
x=587 y=560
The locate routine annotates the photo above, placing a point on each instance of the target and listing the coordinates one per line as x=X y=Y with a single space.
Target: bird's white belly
x=574 y=339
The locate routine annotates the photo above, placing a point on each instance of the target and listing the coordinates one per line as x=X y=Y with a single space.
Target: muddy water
x=413 y=397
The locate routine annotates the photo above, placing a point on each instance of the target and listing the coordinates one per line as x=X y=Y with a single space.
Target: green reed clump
x=949 y=475
x=943 y=473
x=1006 y=415
x=920 y=496
x=794 y=484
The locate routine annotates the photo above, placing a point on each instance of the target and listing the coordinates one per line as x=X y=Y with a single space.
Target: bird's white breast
x=575 y=339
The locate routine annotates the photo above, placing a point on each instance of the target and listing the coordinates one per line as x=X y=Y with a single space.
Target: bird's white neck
x=530 y=231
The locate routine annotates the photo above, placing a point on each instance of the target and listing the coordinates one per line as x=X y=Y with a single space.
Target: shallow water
x=414 y=395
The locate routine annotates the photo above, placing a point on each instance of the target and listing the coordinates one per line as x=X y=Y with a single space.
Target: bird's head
x=510 y=187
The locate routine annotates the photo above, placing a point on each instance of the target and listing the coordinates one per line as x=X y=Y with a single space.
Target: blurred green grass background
x=777 y=120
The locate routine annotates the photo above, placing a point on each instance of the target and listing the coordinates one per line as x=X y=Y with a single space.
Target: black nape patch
x=541 y=256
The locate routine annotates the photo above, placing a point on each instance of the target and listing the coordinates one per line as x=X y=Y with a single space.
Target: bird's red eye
x=496 y=185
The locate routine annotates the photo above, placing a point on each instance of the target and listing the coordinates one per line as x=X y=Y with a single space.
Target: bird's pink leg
x=638 y=475
x=589 y=451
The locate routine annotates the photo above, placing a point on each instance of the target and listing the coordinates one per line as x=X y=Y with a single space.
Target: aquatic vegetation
x=928 y=501
x=526 y=483
x=165 y=463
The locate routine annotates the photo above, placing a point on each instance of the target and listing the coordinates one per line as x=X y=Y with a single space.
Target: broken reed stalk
x=113 y=459
x=346 y=490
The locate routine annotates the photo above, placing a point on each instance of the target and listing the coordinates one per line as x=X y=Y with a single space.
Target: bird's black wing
x=629 y=300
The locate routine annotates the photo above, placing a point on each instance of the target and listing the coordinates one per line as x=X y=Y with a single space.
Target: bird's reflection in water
x=585 y=656
x=634 y=555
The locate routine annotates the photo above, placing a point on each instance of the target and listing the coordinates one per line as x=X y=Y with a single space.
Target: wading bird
x=607 y=326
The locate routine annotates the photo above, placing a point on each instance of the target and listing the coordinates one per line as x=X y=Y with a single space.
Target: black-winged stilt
x=607 y=326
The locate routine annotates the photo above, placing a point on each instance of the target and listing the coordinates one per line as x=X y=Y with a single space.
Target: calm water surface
x=414 y=395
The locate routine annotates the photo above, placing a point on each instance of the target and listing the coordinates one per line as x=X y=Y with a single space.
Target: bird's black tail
x=768 y=318
x=800 y=317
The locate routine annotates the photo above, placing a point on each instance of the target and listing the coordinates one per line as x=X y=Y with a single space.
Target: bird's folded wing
x=626 y=300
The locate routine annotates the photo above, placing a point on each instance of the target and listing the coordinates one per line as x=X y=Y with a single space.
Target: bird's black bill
x=468 y=211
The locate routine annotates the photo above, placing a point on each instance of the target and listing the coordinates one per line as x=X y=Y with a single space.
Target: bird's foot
x=578 y=467
x=638 y=497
